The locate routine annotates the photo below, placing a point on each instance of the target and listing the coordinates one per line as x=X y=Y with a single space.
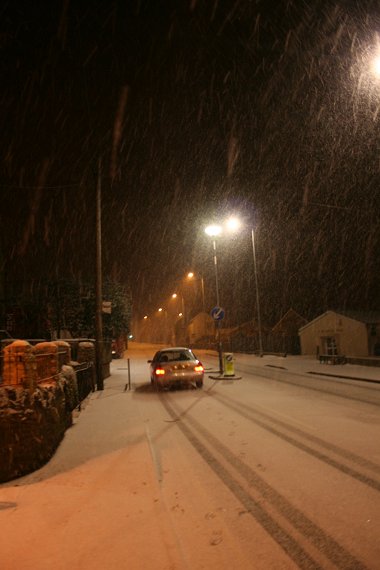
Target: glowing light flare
x=159 y=371
x=190 y=275
x=213 y=230
x=233 y=224
x=376 y=65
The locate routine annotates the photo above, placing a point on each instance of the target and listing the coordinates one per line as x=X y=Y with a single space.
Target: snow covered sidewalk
x=97 y=503
x=305 y=365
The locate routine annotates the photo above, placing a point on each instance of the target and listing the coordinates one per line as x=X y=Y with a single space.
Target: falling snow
x=268 y=110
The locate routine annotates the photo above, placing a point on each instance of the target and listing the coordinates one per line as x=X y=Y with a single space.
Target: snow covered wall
x=37 y=397
x=31 y=427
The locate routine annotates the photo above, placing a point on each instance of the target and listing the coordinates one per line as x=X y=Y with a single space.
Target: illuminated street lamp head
x=180 y=314
x=190 y=275
x=174 y=296
x=213 y=230
x=160 y=310
x=145 y=317
x=376 y=65
x=233 y=224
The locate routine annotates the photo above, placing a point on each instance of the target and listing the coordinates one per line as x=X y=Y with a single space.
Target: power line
x=59 y=186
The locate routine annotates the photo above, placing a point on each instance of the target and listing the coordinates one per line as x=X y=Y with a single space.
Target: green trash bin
x=228 y=364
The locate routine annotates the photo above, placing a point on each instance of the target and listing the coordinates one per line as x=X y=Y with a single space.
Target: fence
x=85 y=373
x=22 y=364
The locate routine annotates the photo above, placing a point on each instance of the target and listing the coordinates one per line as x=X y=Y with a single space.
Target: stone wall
x=36 y=404
x=32 y=424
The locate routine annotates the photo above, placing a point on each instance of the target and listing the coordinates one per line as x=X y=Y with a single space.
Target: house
x=202 y=326
x=349 y=333
x=285 y=336
x=246 y=337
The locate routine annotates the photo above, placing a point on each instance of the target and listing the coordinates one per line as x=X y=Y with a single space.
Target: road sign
x=217 y=313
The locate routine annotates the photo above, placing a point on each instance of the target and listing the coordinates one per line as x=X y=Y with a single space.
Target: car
x=117 y=349
x=175 y=366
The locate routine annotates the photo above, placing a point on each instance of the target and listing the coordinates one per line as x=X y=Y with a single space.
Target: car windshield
x=175 y=355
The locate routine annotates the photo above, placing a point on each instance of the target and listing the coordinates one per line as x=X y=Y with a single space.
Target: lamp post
x=190 y=275
x=257 y=293
x=164 y=328
x=232 y=225
x=174 y=296
x=180 y=316
x=214 y=231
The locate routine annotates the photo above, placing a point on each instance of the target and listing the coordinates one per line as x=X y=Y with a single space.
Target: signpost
x=107 y=307
x=217 y=313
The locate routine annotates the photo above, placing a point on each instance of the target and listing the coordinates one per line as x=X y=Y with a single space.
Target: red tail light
x=199 y=368
x=159 y=371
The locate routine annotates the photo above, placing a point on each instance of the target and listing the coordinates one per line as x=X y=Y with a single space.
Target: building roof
x=367 y=317
x=290 y=317
x=202 y=316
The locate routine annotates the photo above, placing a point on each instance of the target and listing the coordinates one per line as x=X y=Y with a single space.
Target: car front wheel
x=199 y=383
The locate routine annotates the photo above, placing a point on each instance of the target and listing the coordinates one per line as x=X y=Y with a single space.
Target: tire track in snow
x=324 y=543
x=250 y=414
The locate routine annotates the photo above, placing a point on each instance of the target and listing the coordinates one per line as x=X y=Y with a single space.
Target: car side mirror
x=149 y=361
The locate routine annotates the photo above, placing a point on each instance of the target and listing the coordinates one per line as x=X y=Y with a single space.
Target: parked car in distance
x=117 y=350
x=178 y=365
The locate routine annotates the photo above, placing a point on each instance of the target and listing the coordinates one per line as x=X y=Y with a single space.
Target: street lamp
x=190 y=275
x=214 y=231
x=164 y=332
x=257 y=293
x=233 y=224
x=376 y=65
x=175 y=296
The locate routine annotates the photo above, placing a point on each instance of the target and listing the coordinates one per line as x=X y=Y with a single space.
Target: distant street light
x=190 y=276
x=214 y=231
x=175 y=296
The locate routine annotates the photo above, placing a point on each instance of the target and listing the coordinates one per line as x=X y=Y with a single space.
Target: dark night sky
x=197 y=109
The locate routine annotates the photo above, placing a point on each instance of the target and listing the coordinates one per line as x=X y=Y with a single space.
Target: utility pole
x=99 y=286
